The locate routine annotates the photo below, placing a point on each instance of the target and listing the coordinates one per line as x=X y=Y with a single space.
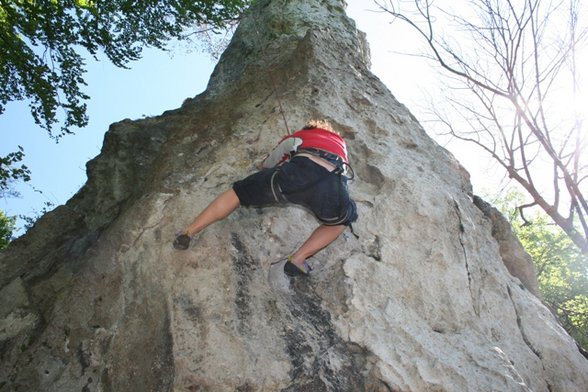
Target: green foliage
x=41 y=43
x=562 y=269
x=7 y=226
x=562 y=272
x=9 y=171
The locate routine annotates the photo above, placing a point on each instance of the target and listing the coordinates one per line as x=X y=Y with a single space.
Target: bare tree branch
x=513 y=67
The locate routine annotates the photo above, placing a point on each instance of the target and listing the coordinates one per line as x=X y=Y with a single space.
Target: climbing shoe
x=292 y=269
x=182 y=242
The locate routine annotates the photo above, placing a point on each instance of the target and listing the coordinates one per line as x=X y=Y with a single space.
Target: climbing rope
x=272 y=80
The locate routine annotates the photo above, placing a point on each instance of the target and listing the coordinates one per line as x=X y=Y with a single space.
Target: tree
x=6 y=229
x=562 y=271
x=509 y=66
x=41 y=42
x=10 y=171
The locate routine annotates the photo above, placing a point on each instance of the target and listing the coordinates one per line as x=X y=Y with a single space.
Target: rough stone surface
x=94 y=298
x=517 y=261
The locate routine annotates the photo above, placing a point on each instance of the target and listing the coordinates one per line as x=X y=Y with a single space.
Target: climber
x=308 y=168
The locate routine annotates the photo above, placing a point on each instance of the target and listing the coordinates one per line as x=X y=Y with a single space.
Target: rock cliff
x=94 y=298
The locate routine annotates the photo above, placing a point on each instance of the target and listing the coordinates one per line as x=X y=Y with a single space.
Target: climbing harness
x=340 y=170
x=342 y=167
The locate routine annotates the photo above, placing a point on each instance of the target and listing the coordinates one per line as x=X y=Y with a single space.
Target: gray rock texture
x=94 y=297
x=516 y=260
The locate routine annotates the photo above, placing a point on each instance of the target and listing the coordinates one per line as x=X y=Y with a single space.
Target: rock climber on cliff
x=307 y=168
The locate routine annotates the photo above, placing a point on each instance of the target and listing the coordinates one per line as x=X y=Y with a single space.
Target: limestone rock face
x=516 y=260
x=94 y=298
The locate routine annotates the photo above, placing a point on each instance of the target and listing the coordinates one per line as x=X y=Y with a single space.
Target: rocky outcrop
x=94 y=298
x=516 y=260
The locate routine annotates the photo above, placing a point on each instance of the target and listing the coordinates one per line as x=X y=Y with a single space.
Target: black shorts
x=300 y=181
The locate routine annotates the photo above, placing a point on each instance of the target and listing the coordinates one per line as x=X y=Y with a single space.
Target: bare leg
x=218 y=209
x=320 y=238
